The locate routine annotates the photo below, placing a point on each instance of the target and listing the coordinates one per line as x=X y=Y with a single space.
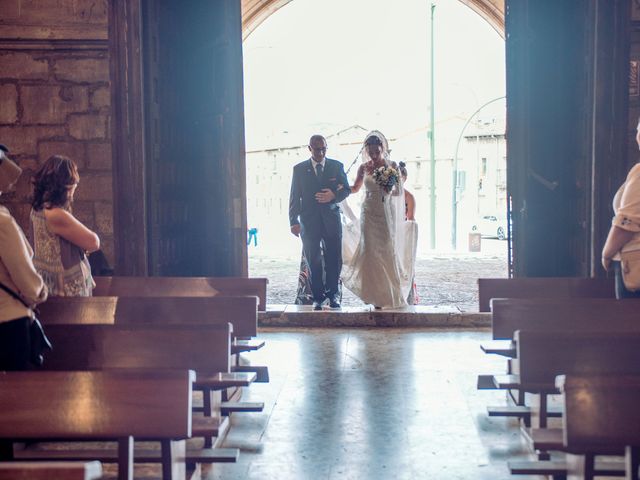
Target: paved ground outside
x=443 y=279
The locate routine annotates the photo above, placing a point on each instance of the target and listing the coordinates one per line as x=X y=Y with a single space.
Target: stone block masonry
x=57 y=101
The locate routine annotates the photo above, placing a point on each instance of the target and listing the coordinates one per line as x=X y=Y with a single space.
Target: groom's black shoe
x=317 y=305
x=333 y=302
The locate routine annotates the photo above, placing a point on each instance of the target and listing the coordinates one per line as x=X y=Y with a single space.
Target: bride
x=379 y=253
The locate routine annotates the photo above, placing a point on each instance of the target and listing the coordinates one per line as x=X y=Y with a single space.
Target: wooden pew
x=182 y=287
x=601 y=412
x=101 y=406
x=202 y=348
x=548 y=315
x=547 y=287
x=544 y=355
x=587 y=314
x=50 y=471
x=241 y=311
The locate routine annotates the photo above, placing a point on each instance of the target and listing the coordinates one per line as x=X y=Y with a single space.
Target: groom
x=317 y=186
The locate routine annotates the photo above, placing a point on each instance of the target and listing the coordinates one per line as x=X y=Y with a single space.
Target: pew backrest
x=240 y=311
x=544 y=355
x=587 y=314
x=601 y=411
x=202 y=348
x=99 y=405
x=547 y=287
x=182 y=287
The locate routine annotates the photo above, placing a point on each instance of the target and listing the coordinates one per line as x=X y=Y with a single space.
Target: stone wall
x=55 y=99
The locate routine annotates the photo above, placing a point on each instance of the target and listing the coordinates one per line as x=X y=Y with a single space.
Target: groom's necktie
x=318 y=170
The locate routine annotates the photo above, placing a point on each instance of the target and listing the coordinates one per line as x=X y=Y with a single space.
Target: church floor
x=373 y=404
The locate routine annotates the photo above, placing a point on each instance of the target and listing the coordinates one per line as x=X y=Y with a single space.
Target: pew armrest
x=227 y=408
x=508 y=382
x=506 y=348
x=240 y=346
x=261 y=372
x=221 y=381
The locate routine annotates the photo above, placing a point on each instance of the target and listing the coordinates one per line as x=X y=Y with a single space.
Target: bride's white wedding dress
x=379 y=256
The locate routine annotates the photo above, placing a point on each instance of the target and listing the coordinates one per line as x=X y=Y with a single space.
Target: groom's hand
x=325 y=196
x=295 y=229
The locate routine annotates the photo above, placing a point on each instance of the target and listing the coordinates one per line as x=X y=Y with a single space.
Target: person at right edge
x=17 y=274
x=624 y=235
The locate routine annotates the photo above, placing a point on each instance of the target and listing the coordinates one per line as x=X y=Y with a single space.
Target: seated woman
x=21 y=287
x=61 y=242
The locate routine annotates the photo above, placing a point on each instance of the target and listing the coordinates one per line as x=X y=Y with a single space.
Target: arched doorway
x=254 y=12
x=272 y=77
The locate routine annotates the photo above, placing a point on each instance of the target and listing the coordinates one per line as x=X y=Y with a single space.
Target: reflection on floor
x=373 y=404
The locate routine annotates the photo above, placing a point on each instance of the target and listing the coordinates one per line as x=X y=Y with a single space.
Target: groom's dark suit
x=320 y=222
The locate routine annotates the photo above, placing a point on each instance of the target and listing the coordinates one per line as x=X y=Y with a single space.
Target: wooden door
x=194 y=123
x=563 y=60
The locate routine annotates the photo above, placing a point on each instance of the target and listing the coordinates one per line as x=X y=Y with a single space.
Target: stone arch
x=254 y=12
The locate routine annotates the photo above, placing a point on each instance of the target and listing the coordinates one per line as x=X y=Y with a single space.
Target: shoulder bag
x=38 y=341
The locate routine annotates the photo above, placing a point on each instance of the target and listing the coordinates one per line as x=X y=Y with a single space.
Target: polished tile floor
x=373 y=404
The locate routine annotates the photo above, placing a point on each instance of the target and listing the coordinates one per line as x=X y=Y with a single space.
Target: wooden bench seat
x=588 y=314
x=544 y=355
x=202 y=348
x=547 y=287
x=550 y=315
x=241 y=312
x=50 y=471
x=602 y=413
x=101 y=406
x=601 y=418
x=182 y=287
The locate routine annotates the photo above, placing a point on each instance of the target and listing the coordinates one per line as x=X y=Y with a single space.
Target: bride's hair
x=373 y=140
x=375 y=137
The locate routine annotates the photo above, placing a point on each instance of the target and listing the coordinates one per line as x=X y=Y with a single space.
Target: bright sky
x=323 y=65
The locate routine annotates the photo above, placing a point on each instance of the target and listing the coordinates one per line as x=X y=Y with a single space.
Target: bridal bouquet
x=387 y=177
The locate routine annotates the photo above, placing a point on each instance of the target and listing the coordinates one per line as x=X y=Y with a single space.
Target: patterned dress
x=63 y=265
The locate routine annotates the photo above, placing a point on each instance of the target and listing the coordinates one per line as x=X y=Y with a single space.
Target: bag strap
x=14 y=295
